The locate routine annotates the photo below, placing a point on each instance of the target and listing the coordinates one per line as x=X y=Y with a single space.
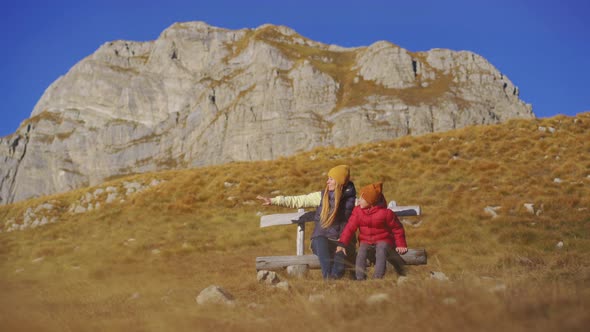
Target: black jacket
x=345 y=208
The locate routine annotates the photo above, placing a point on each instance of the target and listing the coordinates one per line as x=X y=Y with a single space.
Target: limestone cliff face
x=201 y=95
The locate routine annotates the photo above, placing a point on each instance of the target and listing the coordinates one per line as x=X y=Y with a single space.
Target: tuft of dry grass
x=138 y=265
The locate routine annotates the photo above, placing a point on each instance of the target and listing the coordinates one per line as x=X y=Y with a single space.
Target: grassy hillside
x=138 y=265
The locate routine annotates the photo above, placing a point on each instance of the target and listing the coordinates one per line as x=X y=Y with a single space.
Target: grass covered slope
x=138 y=265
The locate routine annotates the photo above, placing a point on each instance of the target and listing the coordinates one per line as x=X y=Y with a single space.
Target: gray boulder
x=203 y=95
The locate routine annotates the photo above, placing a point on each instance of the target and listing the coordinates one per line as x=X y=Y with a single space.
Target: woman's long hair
x=327 y=218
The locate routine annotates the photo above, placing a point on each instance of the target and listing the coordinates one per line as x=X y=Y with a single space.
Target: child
x=380 y=230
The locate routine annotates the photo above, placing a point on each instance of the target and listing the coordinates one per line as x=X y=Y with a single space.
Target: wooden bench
x=298 y=264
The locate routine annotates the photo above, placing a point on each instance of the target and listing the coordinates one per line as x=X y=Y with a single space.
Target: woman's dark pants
x=332 y=264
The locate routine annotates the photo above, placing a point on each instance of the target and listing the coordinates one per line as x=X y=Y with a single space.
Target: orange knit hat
x=372 y=192
x=340 y=173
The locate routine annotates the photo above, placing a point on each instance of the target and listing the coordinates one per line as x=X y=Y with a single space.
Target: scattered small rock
x=298 y=271
x=38 y=260
x=491 y=210
x=283 y=285
x=81 y=209
x=215 y=295
x=44 y=206
x=545 y=129
x=530 y=207
x=111 y=197
x=438 y=276
x=97 y=192
x=559 y=245
x=268 y=277
x=557 y=180
x=229 y=184
x=377 y=298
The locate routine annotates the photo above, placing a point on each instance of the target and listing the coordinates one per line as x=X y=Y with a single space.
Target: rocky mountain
x=202 y=95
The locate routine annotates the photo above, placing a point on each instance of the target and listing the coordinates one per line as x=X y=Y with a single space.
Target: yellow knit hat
x=340 y=173
x=372 y=192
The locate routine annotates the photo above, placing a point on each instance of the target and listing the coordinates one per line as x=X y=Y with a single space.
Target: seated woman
x=334 y=206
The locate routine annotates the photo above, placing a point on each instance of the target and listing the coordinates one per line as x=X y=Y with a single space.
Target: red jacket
x=376 y=224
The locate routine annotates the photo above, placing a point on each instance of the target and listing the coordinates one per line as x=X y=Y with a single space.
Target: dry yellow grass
x=138 y=265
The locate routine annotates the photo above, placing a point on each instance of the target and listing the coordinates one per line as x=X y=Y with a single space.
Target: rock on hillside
x=201 y=95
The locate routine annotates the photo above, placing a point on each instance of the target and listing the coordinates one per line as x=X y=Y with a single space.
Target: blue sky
x=543 y=46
